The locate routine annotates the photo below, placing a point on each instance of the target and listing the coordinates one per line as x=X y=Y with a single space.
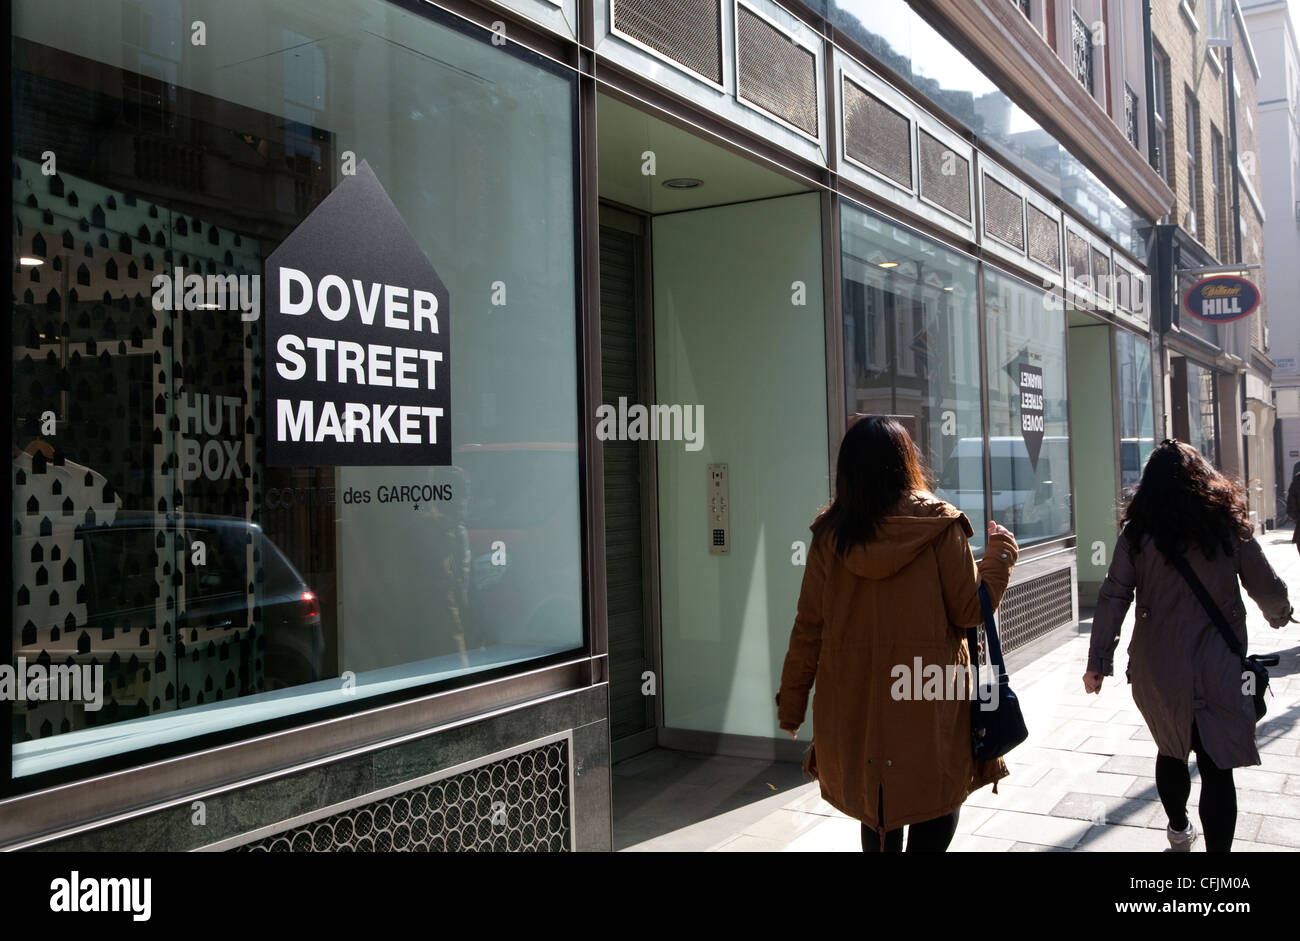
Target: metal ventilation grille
x=687 y=31
x=1076 y=254
x=1123 y=287
x=1101 y=273
x=1044 y=238
x=515 y=804
x=1004 y=214
x=876 y=135
x=776 y=73
x=945 y=176
x=1032 y=608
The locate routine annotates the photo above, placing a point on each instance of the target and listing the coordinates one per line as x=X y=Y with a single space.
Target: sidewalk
x=1084 y=780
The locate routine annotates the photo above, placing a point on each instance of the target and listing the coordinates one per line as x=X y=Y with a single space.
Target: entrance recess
x=1094 y=455
x=711 y=308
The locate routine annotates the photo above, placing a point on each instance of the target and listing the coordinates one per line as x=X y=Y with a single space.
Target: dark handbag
x=1253 y=665
x=996 y=729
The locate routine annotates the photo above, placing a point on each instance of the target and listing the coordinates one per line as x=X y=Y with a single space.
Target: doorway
x=1094 y=457
x=712 y=312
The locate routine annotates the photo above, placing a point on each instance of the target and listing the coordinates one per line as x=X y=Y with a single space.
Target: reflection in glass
x=150 y=538
x=911 y=348
x=1137 y=420
x=895 y=34
x=1026 y=336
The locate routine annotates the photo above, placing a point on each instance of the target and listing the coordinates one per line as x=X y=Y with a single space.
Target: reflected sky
x=892 y=32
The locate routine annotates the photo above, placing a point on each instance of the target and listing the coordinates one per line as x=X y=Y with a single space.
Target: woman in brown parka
x=890 y=585
x=1187 y=682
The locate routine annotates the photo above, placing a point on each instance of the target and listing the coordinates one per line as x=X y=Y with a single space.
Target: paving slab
x=1087 y=758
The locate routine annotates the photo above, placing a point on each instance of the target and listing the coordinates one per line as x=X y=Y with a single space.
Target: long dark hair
x=877 y=465
x=1183 y=501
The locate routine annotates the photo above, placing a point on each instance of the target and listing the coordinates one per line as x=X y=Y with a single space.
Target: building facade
x=418 y=407
x=1204 y=109
x=1273 y=33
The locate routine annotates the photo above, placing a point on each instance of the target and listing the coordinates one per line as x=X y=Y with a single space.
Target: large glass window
x=153 y=539
x=911 y=348
x=1137 y=419
x=1029 y=444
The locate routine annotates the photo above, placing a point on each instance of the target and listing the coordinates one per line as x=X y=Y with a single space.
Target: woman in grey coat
x=1187 y=683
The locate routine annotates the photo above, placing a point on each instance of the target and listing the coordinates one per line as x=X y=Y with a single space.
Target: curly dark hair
x=877 y=465
x=1183 y=501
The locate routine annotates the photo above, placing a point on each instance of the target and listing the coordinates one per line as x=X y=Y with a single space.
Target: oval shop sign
x=1222 y=298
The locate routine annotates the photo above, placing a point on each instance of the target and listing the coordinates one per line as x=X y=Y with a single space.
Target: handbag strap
x=990 y=635
x=1207 y=603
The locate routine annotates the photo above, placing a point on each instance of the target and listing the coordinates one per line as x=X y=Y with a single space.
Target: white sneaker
x=1180 y=841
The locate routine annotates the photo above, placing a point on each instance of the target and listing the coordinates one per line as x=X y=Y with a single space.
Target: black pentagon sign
x=358 y=340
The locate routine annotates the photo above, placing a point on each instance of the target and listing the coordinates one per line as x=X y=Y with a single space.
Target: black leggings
x=1218 y=807
x=930 y=836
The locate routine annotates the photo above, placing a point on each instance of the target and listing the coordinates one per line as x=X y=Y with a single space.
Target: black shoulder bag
x=993 y=731
x=1254 y=664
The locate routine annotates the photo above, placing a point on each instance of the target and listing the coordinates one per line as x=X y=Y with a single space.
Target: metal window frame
x=1100 y=300
x=1053 y=276
x=962 y=149
x=724 y=67
x=904 y=111
x=815 y=47
x=988 y=168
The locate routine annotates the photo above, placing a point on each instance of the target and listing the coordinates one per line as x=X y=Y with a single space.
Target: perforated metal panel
x=519 y=803
x=945 y=175
x=687 y=31
x=1044 y=238
x=876 y=135
x=776 y=73
x=1123 y=287
x=1004 y=214
x=1076 y=256
x=1101 y=273
x=1031 y=608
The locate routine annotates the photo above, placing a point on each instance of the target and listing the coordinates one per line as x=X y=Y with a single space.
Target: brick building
x=1217 y=376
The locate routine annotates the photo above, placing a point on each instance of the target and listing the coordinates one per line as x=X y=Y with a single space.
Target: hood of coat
x=919 y=519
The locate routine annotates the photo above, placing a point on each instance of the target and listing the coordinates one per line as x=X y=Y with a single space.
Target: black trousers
x=1218 y=807
x=929 y=836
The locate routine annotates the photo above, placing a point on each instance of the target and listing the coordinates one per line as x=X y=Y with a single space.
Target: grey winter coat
x=1179 y=664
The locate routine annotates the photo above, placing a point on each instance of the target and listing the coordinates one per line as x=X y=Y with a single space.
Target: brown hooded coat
x=909 y=593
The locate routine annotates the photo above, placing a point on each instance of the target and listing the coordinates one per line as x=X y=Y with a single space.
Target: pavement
x=1084 y=780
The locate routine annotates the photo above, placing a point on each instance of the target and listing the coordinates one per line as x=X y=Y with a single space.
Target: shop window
x=215 y=587
x=1029 y=444
x=911 y=348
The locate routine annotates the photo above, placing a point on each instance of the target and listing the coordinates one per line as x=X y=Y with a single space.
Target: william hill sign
x=1221 y=299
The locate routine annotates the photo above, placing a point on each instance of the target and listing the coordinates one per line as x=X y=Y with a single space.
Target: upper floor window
x=1193 y=162
x=1132 y=127
x=1217 y=193
x=1083 y=52
x=1160 y=96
